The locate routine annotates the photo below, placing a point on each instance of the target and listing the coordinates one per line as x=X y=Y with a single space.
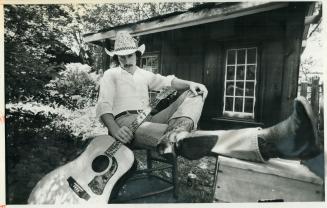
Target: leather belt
x=127 y=112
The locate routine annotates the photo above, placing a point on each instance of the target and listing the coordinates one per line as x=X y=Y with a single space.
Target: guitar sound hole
x=100 y=163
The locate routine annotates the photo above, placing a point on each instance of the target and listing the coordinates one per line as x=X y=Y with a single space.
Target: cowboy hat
x=125 y=44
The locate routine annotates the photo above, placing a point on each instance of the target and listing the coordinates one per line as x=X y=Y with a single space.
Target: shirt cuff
x=170 y=79
x=103 y=108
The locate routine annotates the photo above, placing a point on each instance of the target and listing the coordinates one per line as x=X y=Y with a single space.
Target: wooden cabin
x=246 y=53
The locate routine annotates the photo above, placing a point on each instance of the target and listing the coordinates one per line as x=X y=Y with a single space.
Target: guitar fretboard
x=113 y=148
x=143 y=116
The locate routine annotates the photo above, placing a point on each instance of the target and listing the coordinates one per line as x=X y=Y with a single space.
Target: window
x=150 y=62
x=240 y=82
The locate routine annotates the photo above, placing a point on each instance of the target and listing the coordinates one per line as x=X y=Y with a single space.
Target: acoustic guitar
x=91 y=177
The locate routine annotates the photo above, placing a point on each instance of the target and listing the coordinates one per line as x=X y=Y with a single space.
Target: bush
x=30 y=122
x=75 y=88
x=39 y=119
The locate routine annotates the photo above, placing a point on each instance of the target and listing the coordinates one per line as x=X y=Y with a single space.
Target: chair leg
x=148 y=161
x=174 y=177
x=215 y=178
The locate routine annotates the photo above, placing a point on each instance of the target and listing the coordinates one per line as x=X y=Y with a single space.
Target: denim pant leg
x=241 y=144
x=186 y=105
x=147 y=135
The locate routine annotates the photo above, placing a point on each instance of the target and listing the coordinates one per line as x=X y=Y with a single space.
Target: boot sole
x=313 y=121
x=196 y=147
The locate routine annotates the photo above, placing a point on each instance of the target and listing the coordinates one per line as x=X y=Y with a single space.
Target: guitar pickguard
x=99 y=182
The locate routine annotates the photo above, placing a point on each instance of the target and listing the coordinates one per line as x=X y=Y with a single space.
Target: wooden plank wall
x=270 y=88
x=292 y=42
x=188 y=53
x=197 y=54
x=213 y=79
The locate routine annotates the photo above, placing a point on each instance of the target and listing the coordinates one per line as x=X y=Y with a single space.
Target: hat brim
x=141 y=49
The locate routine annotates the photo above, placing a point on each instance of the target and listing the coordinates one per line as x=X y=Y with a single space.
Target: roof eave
x=188 y=19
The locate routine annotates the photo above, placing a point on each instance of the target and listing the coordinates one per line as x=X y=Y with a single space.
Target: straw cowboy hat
x=125 y=44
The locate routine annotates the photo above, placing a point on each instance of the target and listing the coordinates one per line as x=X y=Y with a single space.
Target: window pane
x=248 y=106
x=155 y=62
x=231 y=56
x=238 y=105
x=250 y=72
x=240 y=73
x=239 y=88
x=252 y=56
x=149 y=61
x=230 y=72
x=229 y=104
x=229 y=88
x=249 y=89
x=241 y=56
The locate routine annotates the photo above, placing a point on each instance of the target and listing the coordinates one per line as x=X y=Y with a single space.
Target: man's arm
x=123 y=134
x=196 y=88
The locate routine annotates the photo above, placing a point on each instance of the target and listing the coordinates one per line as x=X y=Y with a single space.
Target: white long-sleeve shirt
x=121 y=91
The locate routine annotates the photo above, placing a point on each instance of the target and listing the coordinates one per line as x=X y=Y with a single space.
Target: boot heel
x=196 y=147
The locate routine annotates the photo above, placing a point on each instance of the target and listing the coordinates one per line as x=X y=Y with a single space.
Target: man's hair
x=138 y=54
x=115 y=59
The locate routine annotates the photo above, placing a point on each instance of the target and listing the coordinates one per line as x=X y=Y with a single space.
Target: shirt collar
x=122 y=71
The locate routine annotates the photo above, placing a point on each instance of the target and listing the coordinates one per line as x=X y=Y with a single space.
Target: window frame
x=152 y=94
x=151 y=54
x=256 y=82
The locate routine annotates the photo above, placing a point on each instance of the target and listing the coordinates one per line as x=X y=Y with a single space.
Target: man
x=124 y=91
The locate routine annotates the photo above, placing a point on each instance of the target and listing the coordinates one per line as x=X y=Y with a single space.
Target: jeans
x=241 y=144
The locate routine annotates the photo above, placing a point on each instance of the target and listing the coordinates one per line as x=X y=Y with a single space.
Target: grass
x=200 y=190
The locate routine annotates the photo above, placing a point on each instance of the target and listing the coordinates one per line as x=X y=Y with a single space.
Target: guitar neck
x=144 y=116
x=137 y=122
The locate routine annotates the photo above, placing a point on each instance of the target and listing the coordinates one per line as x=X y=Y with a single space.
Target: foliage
x=27 y=38
x=33 y=32
x=311 y=64
x=39 y=118
x=75 y=87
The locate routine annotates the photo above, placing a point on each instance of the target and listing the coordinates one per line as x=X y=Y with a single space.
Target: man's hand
x=198 y=89
x=123 y=134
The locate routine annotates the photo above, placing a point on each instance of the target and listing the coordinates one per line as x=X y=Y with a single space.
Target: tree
x=36 y=34
x=26 y=39
x=312 y=58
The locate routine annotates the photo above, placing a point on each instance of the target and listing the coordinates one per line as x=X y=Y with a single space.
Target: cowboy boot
x=294 y=138
x=178 y=128
x=179 y=140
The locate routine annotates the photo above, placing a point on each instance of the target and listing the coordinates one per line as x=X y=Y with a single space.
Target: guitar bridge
x=81 y=193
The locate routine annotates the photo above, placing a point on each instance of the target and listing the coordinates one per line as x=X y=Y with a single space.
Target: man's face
x=127 y=61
